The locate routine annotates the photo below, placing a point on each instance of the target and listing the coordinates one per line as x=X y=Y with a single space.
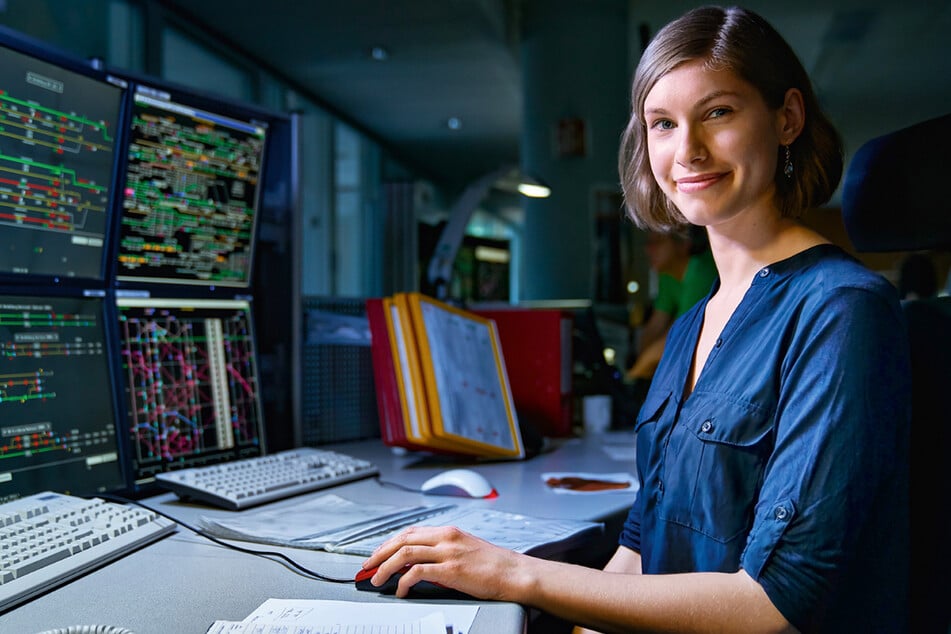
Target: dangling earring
x=787 y=165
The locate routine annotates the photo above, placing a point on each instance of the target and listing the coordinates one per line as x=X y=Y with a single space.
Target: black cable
x=260 y=553
x=395 y=485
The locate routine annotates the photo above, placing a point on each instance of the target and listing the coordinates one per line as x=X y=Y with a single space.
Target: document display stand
x=444 y=367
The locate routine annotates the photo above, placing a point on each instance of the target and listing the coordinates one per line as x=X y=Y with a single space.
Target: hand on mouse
x=452 y=558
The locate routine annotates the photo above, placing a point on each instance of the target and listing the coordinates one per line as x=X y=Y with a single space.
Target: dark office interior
x=397 y=130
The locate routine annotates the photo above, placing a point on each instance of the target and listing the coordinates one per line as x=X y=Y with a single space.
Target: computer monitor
x=57 y=403
x=190 y=381
x=60 y=121
x=191 y=190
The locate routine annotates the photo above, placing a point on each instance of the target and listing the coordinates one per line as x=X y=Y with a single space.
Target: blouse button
x=764 y=272
x=780 y=513
x=706 y=427
x=719 y=342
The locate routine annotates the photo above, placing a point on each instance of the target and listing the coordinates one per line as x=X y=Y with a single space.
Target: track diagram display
x=57 y=414
x=57 y=153
x=191 y=195
x=191 y=383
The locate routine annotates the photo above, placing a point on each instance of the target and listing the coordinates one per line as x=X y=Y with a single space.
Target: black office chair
x=895 y=198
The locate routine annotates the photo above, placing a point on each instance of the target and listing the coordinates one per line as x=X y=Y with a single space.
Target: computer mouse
x=461 y=483
x=419 y=590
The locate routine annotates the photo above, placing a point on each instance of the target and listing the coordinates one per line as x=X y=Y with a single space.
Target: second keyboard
x=244 y=483
x=49 y=538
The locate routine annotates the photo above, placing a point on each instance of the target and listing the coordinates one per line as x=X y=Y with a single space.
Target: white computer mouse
x=461 y=483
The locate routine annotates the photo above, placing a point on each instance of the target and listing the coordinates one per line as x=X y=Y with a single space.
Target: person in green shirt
x=685 y=274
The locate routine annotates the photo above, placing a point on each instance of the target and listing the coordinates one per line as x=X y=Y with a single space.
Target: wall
x=575 y=70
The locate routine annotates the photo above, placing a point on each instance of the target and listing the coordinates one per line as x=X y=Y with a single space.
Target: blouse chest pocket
x=648 y=432
x=713 y=465
x=653 y=407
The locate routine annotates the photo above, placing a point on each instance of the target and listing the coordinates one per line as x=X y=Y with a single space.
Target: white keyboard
x=243 y=483
x=47 y=538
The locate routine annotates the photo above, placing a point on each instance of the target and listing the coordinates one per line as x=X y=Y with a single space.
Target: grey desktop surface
x=519 y=483
x=183 y=583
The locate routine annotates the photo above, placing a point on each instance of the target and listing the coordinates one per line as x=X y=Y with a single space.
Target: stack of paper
x=336 y=524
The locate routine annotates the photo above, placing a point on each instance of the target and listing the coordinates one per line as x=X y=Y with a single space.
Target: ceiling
x=877 y=65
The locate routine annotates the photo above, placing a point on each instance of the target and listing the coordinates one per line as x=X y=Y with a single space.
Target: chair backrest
x=895 y=198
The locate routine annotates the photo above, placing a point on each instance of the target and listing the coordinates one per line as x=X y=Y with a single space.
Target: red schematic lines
x=191 y=384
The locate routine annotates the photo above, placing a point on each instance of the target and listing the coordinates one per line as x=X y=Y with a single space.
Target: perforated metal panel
x=338 y=395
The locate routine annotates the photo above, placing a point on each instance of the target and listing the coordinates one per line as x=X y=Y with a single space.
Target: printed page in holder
x=468 y=393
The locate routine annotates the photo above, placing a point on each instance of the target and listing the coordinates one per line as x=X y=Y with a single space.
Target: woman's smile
x=698 y=182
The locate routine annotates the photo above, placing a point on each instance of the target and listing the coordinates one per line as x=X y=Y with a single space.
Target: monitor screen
x=58 y=131
x=191 y=384
x=57 y=404
x=191 y=192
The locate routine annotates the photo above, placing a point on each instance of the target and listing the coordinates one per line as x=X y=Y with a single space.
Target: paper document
x=335 y=524
x=316 y=616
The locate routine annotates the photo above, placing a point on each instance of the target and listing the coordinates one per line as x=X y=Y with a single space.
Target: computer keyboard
x=243 y=483
x=48 y=538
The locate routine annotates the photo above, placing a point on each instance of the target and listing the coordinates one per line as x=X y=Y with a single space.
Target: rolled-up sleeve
x=842 y=416
x=631 y=533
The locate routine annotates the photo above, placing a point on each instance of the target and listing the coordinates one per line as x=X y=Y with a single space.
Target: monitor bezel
x=110 y=333
x=217 y=105
x=139 y=483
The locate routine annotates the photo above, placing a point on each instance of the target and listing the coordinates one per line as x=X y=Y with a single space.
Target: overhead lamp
x=513 y=179
x=533 y=188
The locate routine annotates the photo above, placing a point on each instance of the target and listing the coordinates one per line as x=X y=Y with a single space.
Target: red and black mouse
x=420 y=589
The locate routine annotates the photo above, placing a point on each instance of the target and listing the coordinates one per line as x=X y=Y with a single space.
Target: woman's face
x=713 y=144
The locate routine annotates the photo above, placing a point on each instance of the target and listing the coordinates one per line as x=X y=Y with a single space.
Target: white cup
x=596 y=413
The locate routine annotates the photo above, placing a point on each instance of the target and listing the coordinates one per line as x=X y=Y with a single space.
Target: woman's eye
x=716 y=113
x=662 y=124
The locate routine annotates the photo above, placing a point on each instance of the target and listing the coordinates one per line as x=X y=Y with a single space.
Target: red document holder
x=536 y=344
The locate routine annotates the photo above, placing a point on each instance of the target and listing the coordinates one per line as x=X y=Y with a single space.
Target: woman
x=770 y=448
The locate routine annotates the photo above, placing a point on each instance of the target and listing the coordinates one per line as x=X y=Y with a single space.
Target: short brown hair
x=741 y=41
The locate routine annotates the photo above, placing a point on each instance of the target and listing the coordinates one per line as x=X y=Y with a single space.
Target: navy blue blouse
x=789 y=458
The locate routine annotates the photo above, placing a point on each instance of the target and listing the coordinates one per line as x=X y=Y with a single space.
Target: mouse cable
x=395 y=485
x=260 y=553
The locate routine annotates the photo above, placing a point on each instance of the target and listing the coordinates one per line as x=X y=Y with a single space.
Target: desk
x=182 y=583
